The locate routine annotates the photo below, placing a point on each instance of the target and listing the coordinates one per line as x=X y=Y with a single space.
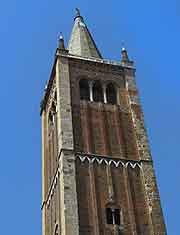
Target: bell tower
x=97 y=169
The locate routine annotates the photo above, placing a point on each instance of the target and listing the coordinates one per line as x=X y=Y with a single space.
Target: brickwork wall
x=135 y=213
x=105 y=130
x=119 y=132
x=139 y=201
x=84 y=199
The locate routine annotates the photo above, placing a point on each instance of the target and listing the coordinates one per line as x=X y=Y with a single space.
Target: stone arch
x=84 y=89
x=50 y=118
x=53 y=107
x=111 y=94
x=56 y=230
x=97 y=92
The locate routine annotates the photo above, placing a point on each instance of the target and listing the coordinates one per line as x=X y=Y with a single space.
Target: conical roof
x=81 y=42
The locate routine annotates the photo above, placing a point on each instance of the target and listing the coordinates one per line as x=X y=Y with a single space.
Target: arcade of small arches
x=95 y=91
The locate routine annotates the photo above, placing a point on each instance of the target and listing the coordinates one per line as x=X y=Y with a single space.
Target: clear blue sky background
x=28 y=39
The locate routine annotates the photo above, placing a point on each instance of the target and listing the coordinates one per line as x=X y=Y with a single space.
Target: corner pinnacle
x=61 y=42
x=124 y=54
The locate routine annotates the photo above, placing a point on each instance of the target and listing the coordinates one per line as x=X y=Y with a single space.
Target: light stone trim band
x=108 y=161
x=97 y=60
x=53 y=186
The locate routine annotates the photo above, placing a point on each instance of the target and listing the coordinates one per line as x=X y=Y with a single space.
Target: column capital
x=90 y=82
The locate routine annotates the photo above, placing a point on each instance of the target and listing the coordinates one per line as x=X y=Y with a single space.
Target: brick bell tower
x=97 y=170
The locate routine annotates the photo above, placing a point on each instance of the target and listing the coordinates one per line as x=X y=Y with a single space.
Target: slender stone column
x=104 y=93
x=117 y=95
x=91 y=90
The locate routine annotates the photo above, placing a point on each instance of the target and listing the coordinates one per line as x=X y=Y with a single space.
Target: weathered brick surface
x=117 y=131
x=153 y=200
x=139 y=202
x=135 y=217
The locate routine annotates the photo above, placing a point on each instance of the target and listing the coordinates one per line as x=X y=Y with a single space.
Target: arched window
x=55 y=95
x=53 y=108
x=97 y=92
x=111 y=94
x=50 y=119
x=56 y=230
x=84 y=90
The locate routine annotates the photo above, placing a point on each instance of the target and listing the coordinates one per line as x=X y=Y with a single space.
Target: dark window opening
x=53 y=108
x=97 y=92
x=56 y=230
x=113 y=216
x=55 y=96
x=50 y=119
x=111 y=94
x=117 y=216
x=109 y=216
x=84 y=90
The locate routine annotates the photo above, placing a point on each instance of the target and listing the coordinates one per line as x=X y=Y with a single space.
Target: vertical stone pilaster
x=68 y=193
x=153 y=200
x=130 y=203
x=65 y=130
x=111 y=195
x=68 y=196
x=44 y=180
x=137 y=116
x=141 y=134
x=94 y=200
x=156 y=220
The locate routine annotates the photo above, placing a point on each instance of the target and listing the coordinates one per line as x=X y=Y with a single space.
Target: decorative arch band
x=109 y=161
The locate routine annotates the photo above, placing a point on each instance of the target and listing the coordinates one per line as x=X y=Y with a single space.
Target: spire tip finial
x=78 y=12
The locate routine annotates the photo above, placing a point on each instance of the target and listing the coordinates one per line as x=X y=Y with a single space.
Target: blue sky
x=28 y=39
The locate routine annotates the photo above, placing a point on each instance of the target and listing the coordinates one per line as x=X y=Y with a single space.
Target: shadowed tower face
x=97 y=170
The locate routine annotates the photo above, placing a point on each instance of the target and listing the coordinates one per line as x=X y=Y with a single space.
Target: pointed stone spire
x=81 y=42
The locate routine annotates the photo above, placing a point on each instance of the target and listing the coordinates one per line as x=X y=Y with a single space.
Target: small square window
x=113 y=216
